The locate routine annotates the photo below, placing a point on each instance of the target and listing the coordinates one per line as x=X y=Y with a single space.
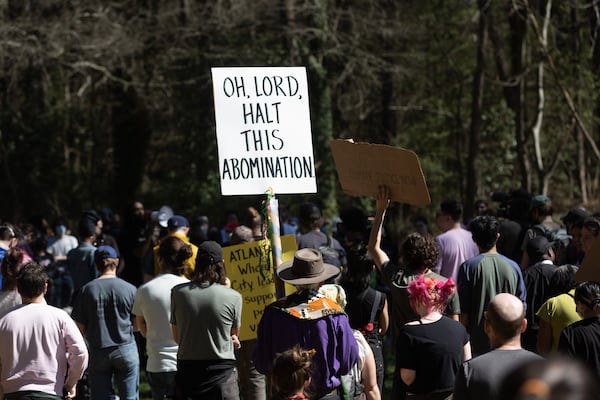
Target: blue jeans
x=122 y=363
x=162 y=384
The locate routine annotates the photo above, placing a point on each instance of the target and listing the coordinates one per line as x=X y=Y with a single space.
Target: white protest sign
x=263 y=130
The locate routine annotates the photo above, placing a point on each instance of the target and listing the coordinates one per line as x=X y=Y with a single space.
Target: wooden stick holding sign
x=362 y=167
x=264 y=140
x=275 y=239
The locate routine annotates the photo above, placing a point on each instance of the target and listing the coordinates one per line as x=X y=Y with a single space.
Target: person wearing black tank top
x=367 y=308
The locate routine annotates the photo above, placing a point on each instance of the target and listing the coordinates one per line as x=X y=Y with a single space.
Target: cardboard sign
x=362 y=167
x=243 y=264
x=263 y=130
x=589 y=269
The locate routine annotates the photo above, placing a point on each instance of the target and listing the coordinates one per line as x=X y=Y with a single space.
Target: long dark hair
x=357 y=275
x=173 y=252
x=209 y=270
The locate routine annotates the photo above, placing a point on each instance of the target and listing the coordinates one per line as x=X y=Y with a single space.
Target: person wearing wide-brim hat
x=306 y=268
x=310 y=320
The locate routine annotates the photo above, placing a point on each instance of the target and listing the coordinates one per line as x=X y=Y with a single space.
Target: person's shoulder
x=166 y=279
x=485 y=358
x=309 y=238
x=58 y=312
x=222 y=290
x=412 y=329
x=230 y=291
x=175 y=280
x=529 y=354
x=496 y=356
x=74 y=251
x=473 y=262
x=91 y=285
x=532 y=271
x=449 y=321
x=336 y=244
x=444 y=237
x=547 y=269
x=181 y=286
x=390 y=267
x=438 y=277
x=147 y=286
x=123 y=283
x=453 y=327
x=46 y=312
x=465 y=233
x=507 y=260
x=593 y=322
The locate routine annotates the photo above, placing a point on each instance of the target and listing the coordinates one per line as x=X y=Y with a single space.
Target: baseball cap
x=210 y=250
x=538 y=247
x=104 y=252
x=177 y=221
x=538 y=201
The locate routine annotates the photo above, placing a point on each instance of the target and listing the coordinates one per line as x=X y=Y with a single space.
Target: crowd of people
x=488 y=308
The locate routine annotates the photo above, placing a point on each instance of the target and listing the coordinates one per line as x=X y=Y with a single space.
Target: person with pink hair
x=431 y=349
x=15 y=258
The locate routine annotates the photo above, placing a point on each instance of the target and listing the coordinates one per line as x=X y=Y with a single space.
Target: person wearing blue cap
x=179 y=227
x=103 y=313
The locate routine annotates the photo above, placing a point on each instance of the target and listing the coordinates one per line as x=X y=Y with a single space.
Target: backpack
x=557 y=237
x=330 y=255
x=368 y=329
x=352 y=385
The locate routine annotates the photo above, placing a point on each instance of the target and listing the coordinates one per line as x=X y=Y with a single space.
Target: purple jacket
x=331 y=336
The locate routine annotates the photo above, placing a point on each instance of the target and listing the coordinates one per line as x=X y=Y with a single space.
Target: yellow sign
x=243 y=265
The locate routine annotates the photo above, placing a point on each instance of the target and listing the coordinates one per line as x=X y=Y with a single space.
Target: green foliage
x=101 y=104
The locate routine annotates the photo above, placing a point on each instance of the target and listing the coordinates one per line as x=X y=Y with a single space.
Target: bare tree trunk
x=476 y=111
x=8 y=180
x=512 y=76
x=581 y=164
x=591 y=181
x=563 y=90
x=290 y=14
x=537 y=126
x=184 y=11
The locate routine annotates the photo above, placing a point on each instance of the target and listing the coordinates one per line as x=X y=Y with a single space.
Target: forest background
x=105 y=102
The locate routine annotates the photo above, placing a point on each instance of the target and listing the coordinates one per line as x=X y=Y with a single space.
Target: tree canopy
x=106 y=102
